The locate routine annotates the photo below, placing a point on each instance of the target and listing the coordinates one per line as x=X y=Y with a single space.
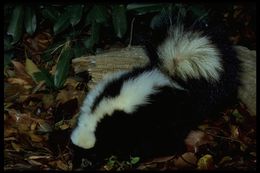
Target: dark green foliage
x=63 y=66
x=30 y=20
x=45 y=76
x=85 y=26
x=80 y=25
x=119 y=20
x=15 y=27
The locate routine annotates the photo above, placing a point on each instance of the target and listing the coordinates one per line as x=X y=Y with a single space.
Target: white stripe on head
x=189 y=55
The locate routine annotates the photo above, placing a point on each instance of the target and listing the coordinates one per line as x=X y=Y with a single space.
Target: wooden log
x=127 y=58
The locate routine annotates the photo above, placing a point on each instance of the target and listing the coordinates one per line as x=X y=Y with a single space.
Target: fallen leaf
x=61 y=165
x=225 y=159
x=31 y=68
x=16 y=147
x=47 y=100
x=38 y=43
x=33 y=126
x=36 y=138
x=64 y=126
x=9 y=131
x=20 y=69
x=20 y=81
x=38 y=157
x=160 y=159
x=187 y=160
x=234 y=131
x=35 y=163
x=205 y=162
x=65 y=95
x=12 y=91
x=44 y=127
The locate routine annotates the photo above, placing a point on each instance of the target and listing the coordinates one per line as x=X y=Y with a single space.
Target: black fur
x=160 y=127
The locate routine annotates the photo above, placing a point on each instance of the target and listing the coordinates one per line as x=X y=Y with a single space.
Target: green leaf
x=30 y=20
x=134 y=160
x=62 y=68
x=76 y=13
x=93 y=39
x=79 y=49
x=141 y=9
x=51 y=13
x=45 y=76
x=15 y=28
x=7 y=43
x=198 y=11
x=119 y=20
x=238 y=117
x=98 y=14
x=62 y=23
x=52 y=49
x=8 y=57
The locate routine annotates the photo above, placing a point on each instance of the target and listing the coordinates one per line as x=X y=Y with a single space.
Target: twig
x=131 y=33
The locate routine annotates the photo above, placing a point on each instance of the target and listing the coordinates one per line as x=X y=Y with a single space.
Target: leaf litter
x=38 y=123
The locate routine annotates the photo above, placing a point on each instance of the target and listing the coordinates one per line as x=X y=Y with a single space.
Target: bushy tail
x=182 y=53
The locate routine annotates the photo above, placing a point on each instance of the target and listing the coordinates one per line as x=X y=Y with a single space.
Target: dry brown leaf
x=12 y=91
x=225 y=159
x=33 y=126
x=16 y=147
x=64 y=126
x=20 y=120
x=234 y=131
x=63 y=166
x=9 y=131
x=187 y=160
x=10 y=139
x=36 y=138
x=72 y=83
x=20 y=81
x=20 y=69
x=35 y=163
x=205 y=162
x=160 y=159
x=39 y=157
x=38 y=43
x=66 y=95
x=47 y=100
x=44 y=127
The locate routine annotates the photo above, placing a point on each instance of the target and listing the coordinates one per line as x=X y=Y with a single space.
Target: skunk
x=149 y=111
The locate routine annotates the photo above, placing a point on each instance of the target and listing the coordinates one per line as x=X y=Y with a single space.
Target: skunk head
x=124 y=92
x=189 y=55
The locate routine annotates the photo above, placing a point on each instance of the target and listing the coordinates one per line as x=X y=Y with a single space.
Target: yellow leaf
x=31 y=68
x=16 y=147
x=19 y=69
x=225 y=159
x=205 y=162
x=61 y=165
x=64 y=126
x=33 y=125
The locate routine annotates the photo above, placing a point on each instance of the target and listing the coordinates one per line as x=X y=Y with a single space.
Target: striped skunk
x=149 y=111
